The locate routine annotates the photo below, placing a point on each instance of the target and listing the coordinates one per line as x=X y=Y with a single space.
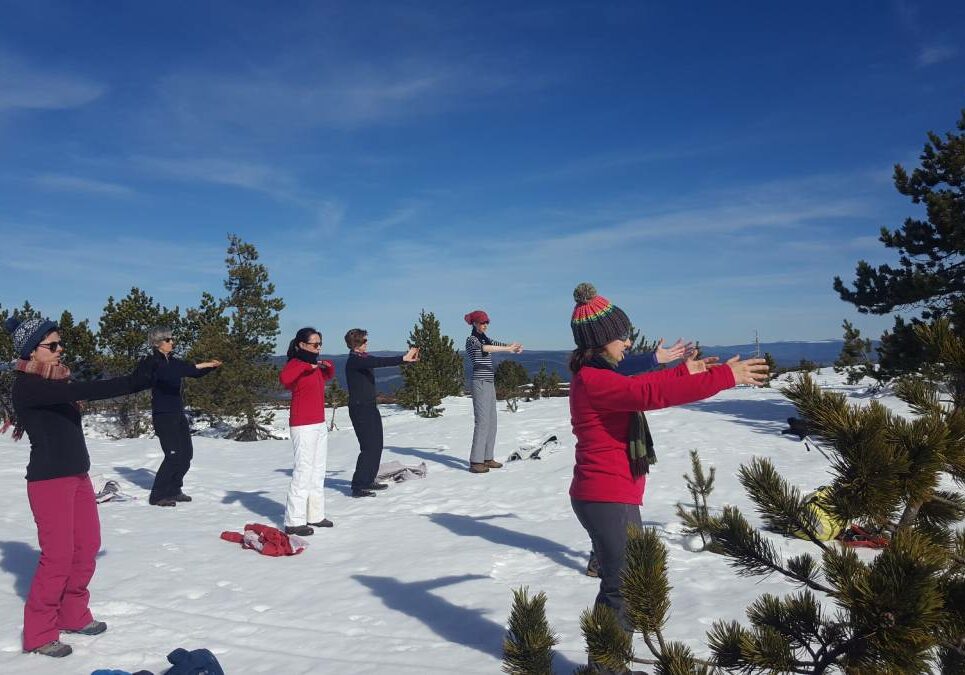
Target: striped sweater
x=482 y=362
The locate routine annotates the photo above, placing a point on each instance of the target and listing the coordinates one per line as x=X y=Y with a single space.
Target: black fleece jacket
x=46 y=410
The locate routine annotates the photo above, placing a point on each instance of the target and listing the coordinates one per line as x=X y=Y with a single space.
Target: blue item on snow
x=195 y=662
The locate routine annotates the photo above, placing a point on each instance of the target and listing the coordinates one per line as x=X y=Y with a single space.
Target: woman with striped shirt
x=480 y=348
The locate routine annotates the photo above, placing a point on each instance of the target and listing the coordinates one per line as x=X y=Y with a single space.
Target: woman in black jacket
x=362 y=409
x=167 y=414
x=58 y=487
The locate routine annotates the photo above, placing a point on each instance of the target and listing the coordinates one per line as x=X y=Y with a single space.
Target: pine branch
x=528 y=645
x=779 y=504
x=607 y=644
x=752 y=554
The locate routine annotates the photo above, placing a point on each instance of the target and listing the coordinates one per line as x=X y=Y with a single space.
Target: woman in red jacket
x=613 y=445
x=305 y=377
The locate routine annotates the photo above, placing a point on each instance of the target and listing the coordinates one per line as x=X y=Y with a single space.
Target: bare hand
x=516 y=348
x=678 y=350
x=695 y=365
x=412 y=355
x=751 y=371
x=213 y=363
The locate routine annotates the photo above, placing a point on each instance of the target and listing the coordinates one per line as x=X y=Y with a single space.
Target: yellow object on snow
x=828 y=527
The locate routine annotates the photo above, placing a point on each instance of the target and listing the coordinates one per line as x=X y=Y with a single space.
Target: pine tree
x=639 y=343
x=438 y=372
x=122 y=342
x=206 y=331
x=553 y=385
x=698 y=521
x=335 y=397
x=930 y=275
x=539 y=383
x=80 y=350
x=510 y=377
x=240 y=330
x=771 y=367
x=855 y=354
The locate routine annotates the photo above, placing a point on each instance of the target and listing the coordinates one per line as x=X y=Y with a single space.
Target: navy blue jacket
x=634 y=364
x=166 y=392
x=361 y=379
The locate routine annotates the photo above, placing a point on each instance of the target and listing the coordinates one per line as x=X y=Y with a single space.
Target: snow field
x=416 y=580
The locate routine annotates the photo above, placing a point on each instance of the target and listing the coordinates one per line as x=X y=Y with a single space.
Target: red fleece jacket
x=307 y=385
x=601 y=403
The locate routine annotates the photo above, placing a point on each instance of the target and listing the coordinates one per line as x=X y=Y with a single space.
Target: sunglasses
x=52 y=346
x=314 y=344
x=168 y=339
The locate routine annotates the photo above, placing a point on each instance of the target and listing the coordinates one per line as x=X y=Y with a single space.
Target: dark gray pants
x=484 y=414
x=606 y=523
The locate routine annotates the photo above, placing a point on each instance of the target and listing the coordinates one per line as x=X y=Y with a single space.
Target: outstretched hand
x=411 y=356
x=749 y=371
x=213 y=363
x=678 y=350
x=515 y=348
x=695 y=365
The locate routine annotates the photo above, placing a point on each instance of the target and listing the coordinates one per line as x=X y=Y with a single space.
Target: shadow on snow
x=432 y=455
x=468 y=526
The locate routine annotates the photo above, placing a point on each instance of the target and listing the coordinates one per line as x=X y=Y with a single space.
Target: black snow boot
x=359 y=492
x=300 y=530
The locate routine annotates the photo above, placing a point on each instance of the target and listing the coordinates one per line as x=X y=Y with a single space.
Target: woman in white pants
x=305 y=377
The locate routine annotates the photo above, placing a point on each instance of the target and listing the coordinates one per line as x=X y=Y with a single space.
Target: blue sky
x=709 y=166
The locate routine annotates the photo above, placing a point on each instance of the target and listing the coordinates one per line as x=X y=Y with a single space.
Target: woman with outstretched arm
x=362 y=408
x=167 y=415
x=613 y=449
x=59 y=489
x=480 y=348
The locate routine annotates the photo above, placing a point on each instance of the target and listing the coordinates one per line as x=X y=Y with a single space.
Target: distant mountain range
x=785 y=354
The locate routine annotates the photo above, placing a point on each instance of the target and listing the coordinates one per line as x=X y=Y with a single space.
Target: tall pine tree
x=240 y=330
x=438 y=372
x=930 y=274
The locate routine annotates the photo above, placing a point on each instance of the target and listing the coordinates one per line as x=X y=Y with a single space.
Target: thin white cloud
x=66 y=183
x=929 y=56
x=240 y=174
x=274 y=100
x=25 y=87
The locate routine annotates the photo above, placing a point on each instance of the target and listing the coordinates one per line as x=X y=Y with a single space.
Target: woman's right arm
x=37 y=391
x=652 y=391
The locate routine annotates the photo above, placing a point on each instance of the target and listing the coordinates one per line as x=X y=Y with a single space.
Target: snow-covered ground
x=417 y=580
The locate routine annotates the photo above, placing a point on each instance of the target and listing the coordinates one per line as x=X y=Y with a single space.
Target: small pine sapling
x=698 y=521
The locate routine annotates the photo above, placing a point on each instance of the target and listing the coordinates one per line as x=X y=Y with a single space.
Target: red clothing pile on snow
x=307 y=385
x=601 y=403
x=273 y=541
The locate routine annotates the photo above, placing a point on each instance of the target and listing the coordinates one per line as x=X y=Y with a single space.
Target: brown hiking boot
x=93 y=628
x=493 y=464
x=478 y=468
x=54 y=648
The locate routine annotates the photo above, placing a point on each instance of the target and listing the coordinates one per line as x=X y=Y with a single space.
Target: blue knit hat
x=27 y=334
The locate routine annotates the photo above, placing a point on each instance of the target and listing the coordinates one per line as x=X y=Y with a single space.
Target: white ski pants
x=306 y=494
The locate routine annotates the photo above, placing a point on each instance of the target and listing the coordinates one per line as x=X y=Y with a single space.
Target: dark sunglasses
x=365 y=341
x=168 y=339
x=52 y=346
x=314 y=344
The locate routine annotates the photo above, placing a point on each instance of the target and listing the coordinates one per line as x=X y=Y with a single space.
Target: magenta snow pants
x=69 y=532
